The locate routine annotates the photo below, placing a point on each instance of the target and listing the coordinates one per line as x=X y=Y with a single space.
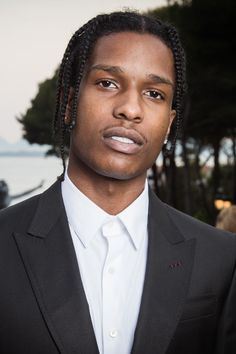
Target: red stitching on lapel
x=175 y=264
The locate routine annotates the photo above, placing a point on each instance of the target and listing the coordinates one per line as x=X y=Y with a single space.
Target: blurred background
x=200 y=178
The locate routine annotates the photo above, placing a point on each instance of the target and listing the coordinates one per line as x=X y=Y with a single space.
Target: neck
x=111 y=195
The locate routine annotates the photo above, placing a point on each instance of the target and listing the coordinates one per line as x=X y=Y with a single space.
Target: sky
x=33 y=37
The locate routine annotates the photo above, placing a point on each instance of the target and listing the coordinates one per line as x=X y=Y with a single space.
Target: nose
x=129 y=107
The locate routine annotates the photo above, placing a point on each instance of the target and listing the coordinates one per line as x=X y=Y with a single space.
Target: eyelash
x=160 y=96
x=101 y=83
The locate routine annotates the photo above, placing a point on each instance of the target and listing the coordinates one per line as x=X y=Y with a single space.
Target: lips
x=123 y=140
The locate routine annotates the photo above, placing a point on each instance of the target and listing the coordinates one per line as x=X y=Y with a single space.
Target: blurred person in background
x=226 y=219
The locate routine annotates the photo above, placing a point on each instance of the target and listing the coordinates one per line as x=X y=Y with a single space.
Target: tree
x=37 y=121
x=206 y=28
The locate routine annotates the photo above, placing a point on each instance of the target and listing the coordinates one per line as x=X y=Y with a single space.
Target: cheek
x=90 y=103
x=85 y=123
x=158 y=133
x=91 y=114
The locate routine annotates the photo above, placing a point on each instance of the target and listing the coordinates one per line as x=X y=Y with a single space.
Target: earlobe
x=67 y=119
x=172 y=117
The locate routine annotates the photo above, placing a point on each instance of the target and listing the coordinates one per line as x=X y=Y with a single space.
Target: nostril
x=131 y=116
x=121 y=115
x=138 y=119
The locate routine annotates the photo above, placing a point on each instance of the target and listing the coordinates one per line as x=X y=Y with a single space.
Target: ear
x=69 y=106
x=171 y=119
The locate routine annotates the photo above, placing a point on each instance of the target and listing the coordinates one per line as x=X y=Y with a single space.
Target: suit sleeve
x=226 y=338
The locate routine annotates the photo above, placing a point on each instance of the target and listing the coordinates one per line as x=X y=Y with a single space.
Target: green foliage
x=37 y=121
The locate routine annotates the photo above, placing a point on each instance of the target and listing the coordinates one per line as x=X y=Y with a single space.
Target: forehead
x=144 y=52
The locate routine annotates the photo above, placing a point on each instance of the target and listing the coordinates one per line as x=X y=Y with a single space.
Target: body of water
x=25 y=173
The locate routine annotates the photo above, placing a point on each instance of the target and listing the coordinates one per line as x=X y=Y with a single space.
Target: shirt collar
x=135 y=217
x=81 y=211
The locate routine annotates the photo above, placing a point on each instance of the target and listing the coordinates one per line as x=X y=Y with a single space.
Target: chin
x=121 y=175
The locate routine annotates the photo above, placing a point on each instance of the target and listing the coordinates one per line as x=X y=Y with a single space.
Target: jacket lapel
x=168 y=272
x=49 y=258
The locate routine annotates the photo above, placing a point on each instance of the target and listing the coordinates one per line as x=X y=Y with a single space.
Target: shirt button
x=108 y=229
x=113 y=333
x=111 y=270
x=110 y=226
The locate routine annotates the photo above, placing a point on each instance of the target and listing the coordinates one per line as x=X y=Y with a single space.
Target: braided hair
x=78 y=52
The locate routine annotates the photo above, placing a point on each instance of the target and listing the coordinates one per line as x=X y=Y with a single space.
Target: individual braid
x=63 y=87
x=59 y=121
x=62 y=74
x=180 y=85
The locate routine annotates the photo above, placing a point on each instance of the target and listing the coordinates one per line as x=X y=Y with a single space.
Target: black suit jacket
x=189 y=297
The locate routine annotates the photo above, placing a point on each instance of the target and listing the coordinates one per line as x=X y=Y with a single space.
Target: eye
x=106 y=84
x=154 y=94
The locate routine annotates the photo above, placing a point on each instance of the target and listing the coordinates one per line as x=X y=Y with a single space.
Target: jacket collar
x=49 y=210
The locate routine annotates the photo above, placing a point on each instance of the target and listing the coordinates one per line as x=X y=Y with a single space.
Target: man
x=97 y=263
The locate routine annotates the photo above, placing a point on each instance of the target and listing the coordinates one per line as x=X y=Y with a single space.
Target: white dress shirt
x=111 y=253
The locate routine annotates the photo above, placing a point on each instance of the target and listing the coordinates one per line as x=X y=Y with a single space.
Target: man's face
x=124 y=107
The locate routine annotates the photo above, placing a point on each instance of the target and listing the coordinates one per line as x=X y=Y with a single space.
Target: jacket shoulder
x=21 y=214
x=189 y=226
x=193 y=225
x=213 y=242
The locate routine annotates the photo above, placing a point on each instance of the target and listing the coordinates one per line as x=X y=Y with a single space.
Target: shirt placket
x=112 y=288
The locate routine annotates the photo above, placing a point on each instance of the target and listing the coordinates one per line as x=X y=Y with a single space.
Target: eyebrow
x=117 y=69
x=160 y=79
x=107 y=68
